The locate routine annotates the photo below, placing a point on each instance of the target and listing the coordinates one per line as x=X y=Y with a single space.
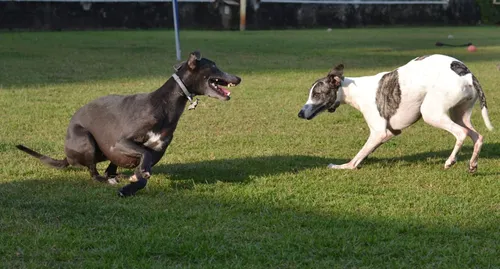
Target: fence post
x=243 y=14
x=176 y=30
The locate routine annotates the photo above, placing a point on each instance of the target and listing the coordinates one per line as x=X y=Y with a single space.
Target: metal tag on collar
x=193 y=104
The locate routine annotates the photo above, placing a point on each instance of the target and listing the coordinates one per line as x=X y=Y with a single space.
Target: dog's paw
x=472 y=169
x=116 y=177
x=146 y=175
x=122 y=193
x=113 y=181
x=100 y=178
x=340 y=166
x=333 y=166
x=449 y=163
x=132 y=188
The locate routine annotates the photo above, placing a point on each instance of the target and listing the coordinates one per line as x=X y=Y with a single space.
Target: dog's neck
x=347 y=91
x=169 y=99
x=181 y=84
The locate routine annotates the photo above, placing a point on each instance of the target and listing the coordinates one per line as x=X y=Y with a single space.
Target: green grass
x=244 y=183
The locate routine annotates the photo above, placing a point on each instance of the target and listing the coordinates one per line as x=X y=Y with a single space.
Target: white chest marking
x=154 y=141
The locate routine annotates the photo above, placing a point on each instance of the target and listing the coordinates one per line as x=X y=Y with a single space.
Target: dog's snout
x=301 y=114
x=238 y=79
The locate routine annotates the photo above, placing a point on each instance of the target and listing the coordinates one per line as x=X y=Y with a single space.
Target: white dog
x=438 y=88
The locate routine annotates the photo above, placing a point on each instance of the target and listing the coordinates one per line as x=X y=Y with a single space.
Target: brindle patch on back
x=459 y=68
x=421 y=57
x=388 y=95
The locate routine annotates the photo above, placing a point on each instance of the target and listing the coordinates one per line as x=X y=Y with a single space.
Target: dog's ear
x=336 y=75
x=179 y=65
x=193 y=58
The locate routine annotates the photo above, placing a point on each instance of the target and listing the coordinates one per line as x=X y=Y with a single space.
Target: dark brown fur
x=388 y=95
x=459 y=68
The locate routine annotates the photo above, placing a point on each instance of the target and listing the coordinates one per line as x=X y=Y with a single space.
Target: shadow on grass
x=241 y=169
x=488 y=151
x=61 y=223
x=244 y=169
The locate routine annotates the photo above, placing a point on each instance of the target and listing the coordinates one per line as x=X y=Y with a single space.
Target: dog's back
x=435 y=73
x=436 y=79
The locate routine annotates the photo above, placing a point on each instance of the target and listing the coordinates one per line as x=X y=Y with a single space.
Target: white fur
x=429 y=88
x=310 y=100
x=154 y=141
x=486 y=118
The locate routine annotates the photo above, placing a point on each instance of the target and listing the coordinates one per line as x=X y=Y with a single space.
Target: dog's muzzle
x=309 y=111
x=301 y=114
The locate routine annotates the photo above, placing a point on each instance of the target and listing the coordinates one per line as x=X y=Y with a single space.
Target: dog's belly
x=408 y=111
x=153 y=144
x=405 y=117
x=124 y=161
x=119 y=158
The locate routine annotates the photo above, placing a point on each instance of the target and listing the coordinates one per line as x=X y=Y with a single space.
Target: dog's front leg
x=112 y=175
x=375 y=139
x=143 y=170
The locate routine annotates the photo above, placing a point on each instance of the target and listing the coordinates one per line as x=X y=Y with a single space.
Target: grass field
x=244 y=183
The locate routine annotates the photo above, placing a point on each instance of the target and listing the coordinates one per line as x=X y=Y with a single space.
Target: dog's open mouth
x=218 y=85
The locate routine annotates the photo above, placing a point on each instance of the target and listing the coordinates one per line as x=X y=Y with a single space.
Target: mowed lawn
x=244 y=183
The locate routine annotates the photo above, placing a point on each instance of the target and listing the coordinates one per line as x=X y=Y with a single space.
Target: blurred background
x=260 y=14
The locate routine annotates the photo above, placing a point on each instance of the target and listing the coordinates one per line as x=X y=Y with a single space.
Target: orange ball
x=471 y=48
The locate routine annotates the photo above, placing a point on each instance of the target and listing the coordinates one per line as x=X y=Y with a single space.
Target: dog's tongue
x=226 y=92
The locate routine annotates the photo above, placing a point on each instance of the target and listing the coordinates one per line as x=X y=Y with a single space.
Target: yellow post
x=243 y=14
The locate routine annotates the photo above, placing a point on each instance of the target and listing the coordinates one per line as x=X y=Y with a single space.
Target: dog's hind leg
x=95 y=174
x=435 y=115
x=143 y=170
x=461 y=115
x=81 y=149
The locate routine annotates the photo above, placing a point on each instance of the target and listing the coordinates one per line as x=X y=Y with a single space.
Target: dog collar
x=183 y=87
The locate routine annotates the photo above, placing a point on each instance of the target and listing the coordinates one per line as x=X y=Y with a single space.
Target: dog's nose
x=301 y=114
x=239 y=79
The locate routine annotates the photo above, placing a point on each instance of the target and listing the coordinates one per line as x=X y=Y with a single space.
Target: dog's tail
x=59 y=164
x=487 y=122
x=482 y=103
